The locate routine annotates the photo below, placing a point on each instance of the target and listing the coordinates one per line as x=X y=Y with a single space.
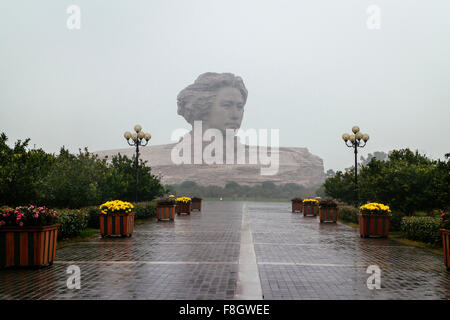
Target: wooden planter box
x=197 y=205
x=328 y=214
x=310 y=210
x=165 y=212
x=296 y=206
x=446 y=246
x=374 y=225
x=28 y=246
x=183 y=208
x=115 y=224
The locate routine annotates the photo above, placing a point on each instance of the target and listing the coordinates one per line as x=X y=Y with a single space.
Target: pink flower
x=443 y=214
x=21 y=224
x=31 y=207
x=36 y=215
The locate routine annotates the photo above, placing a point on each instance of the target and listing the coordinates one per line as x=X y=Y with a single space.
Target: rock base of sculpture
x=296 y=165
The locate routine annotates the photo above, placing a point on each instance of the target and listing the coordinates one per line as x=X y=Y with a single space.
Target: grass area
x=397 y=236
x=85 y=235
x=351 y=224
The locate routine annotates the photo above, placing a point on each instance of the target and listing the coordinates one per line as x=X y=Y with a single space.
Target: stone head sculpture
x=216 y=99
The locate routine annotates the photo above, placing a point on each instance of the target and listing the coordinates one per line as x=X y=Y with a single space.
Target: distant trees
x=265 y=190
x=68 y=180
x=406 y=180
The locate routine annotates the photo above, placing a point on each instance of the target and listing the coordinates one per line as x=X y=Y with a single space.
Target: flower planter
x=183 y=208
x=328 y=214
x=196 y=205
x=310 y=210
x=114 y=224
x=165 y=212
x=374 y=225
x=446 y=247
x=28 y=246
x=296 y=206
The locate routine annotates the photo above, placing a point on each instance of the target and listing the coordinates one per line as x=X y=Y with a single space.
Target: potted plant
x=374 y=220
x=165 y=208
x=183 y=205
x=28 y=236
x=446 y=238
x=328 y=211
x=297 y=204
x=197 y=203
x=310 y=207
x=116 y=218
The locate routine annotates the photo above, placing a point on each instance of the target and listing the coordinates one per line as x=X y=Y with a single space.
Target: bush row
x=425 y=229
x=73 y=222
x=70 y=180
x=348 y=213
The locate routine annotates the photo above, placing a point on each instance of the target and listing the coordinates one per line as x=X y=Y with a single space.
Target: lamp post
x=355 y=143
x=137 y=139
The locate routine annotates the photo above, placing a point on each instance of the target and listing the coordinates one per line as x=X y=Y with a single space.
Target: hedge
x=348 y=213
x=72 y=222
x=425 y=229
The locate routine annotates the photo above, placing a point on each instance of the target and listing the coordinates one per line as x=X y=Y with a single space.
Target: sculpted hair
x=196 y=99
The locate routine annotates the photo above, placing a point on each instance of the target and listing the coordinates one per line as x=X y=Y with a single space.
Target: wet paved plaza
x=202 y=256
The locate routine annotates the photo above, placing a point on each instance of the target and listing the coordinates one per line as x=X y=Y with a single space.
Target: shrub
x=425 y=229
x=93 y=214
x=72 y=222
x=396 y=221
x=144 y=210
x=348 y=213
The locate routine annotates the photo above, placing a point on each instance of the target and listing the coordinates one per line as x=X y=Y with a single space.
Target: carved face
x=227 y=111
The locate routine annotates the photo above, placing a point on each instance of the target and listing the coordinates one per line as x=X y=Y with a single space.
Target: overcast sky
x=312 y=69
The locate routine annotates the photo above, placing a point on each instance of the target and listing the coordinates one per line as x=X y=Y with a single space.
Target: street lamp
x=355 y=142
x=136 y=140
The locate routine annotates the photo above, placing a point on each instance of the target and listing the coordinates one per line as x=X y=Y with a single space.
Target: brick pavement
x=197 y=257
x=300 y=258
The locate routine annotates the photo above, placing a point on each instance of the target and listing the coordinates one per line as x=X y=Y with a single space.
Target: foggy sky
x=312 y=69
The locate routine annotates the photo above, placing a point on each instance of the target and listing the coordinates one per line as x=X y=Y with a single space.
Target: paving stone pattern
x=197 y=256
x=300 y=258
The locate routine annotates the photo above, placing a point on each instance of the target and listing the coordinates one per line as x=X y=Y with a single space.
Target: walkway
x=235 y=250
